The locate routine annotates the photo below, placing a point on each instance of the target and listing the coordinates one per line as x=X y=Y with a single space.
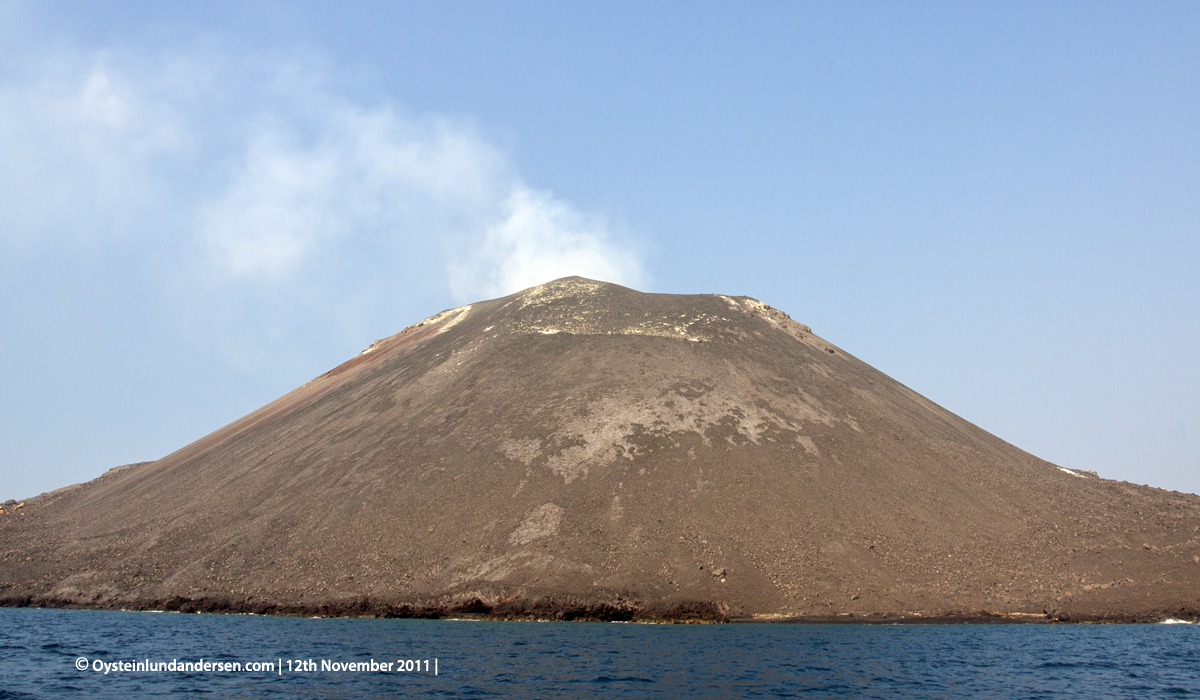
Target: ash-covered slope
x=583 y=449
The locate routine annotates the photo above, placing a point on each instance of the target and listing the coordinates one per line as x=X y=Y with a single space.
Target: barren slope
x=584 y=449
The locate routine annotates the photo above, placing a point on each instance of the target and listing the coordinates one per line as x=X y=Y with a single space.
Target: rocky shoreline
x=561 y=609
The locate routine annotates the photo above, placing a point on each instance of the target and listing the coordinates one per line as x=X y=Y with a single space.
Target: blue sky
x=205 y=205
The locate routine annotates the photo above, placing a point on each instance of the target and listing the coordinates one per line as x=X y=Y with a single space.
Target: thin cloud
x=367 y=177
x=258 y=198
x=373 y=172
x=80 y=159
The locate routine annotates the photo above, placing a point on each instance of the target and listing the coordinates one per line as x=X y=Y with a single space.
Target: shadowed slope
x=584 y=449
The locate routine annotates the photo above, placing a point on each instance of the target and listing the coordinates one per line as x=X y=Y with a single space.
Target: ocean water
x=82 y=653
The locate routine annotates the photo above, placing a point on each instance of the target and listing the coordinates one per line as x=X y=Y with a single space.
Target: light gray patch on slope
x=524 y=450
x=605 y=431
x=543 y=522
x=502 y=567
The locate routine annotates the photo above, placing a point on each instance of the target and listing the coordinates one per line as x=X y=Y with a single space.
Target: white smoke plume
x=540 y=238
x=272 y=194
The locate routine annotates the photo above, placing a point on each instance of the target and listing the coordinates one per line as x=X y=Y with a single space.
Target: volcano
x=580 y=450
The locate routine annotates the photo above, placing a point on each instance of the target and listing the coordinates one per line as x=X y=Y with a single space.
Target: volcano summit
x=583 y=450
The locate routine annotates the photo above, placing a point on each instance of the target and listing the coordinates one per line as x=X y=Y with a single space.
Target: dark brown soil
x=584 y=451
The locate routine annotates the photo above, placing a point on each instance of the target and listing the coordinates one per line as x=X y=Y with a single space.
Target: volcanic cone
x=584 y=450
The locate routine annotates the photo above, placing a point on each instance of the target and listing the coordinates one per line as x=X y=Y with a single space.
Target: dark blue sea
x=79 y=653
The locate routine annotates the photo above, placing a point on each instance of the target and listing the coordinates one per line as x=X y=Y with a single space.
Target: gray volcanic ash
x=583 y=450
